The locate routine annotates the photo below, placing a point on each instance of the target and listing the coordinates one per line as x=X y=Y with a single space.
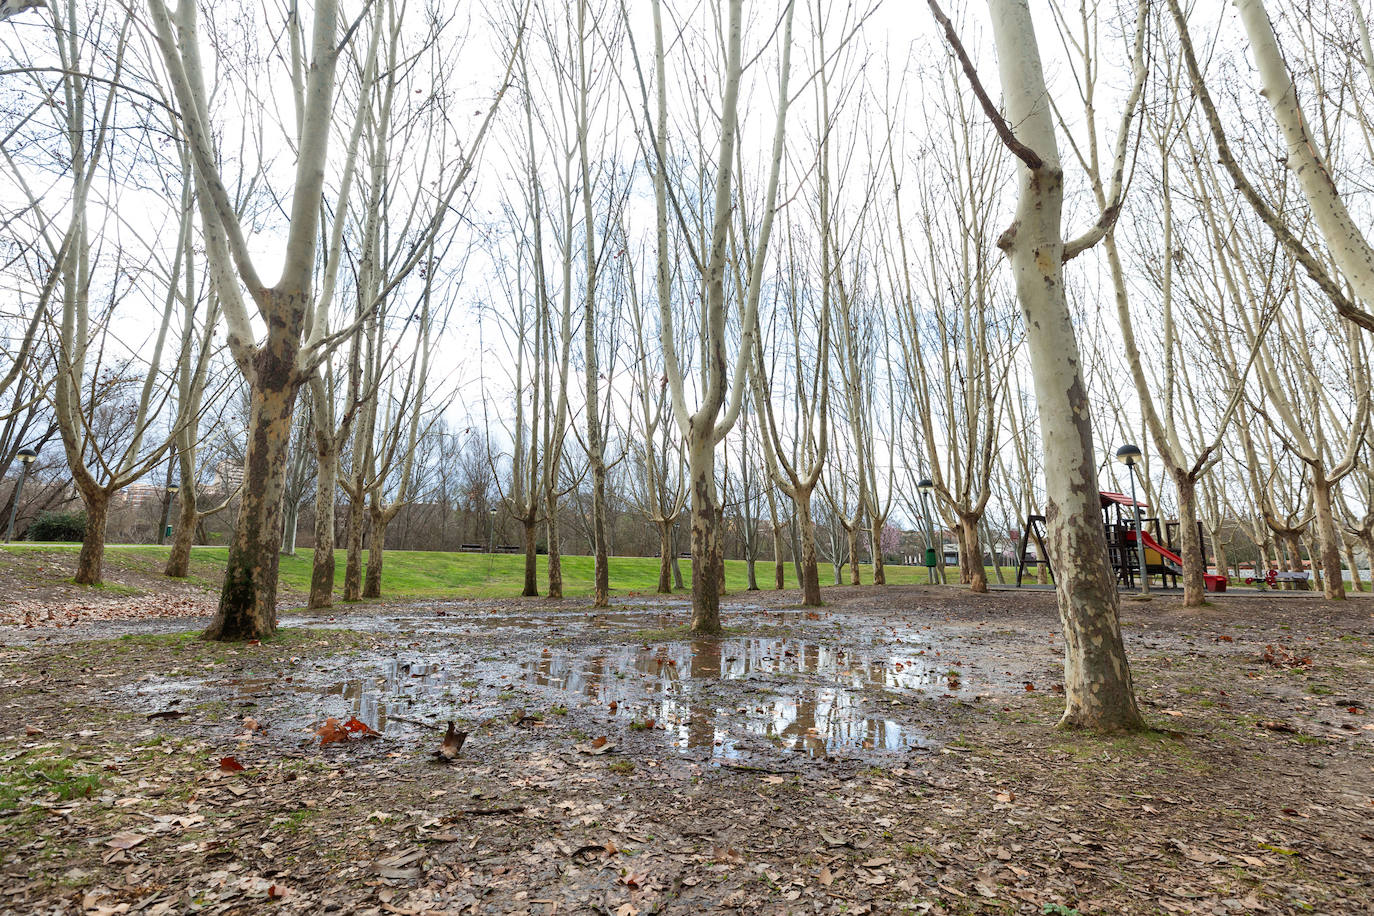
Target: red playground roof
x=1122 y=498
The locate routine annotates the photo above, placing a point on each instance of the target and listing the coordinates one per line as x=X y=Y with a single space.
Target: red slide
x=1211 y=582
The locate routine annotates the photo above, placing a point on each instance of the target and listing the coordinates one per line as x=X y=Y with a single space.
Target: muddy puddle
x=724 y=698
x=463 y=617
x=449 y=620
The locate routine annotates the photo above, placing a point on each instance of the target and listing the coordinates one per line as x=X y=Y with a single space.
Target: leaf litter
x=998 y=807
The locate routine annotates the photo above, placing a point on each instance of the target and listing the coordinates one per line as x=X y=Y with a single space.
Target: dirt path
x=894 y=752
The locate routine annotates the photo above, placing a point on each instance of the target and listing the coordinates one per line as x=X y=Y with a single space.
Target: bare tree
x=278 y=365
x=713 y=418
x=1097 y=679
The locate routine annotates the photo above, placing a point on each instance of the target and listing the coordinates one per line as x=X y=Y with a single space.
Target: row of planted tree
x=708 y=256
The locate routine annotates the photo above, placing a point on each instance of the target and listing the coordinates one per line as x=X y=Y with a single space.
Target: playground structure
x=1161 y=539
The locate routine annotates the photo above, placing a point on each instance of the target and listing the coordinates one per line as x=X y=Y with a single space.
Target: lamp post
x=924 y=486
x=1129 y=455
x=491 y=536
x=26 y=457
x=166 y=512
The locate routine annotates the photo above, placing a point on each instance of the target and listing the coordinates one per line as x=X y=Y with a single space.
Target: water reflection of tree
x=704 y=665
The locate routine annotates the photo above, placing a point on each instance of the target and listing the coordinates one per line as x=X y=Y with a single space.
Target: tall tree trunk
x=531 y=587
x=665 y=557
x=1289 y=552
x=779 y=566
x=1355 y=579
x=322 y=565
x=1190 y=545
x=965 y=561
x=1328 y=539
x=677 y=567
x=1098 y=692
x=876 y=546
x=810 y=576
x=705 y=578
x=972 y=545
x=853 y=536
x=988 y=539
x=353 y=562
x=720 y=550
x=92 y=557
x=1367 y=539
x=248 y=601
x=1318 y=574
x=749 y=564
x=1219 y=552
x=291 y=517
x=555 y=562
x=184 y=534
x=376 y=554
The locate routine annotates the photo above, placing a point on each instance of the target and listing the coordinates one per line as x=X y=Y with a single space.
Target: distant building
x=138 y=495
x=228 y=476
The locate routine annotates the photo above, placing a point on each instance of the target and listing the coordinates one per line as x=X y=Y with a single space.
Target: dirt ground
x=893 y=752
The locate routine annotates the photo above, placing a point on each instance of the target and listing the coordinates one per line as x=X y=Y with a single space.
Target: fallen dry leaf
x=125 y=840
x=1275 y=726
x=596 y=746
x=230 y=765
x=452 y=744
x=331 y=731
x=356 y=726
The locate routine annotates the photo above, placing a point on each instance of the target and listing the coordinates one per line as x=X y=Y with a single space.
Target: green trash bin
x=930 y=564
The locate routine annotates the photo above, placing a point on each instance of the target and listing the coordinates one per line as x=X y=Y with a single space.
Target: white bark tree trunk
x=1097 y=677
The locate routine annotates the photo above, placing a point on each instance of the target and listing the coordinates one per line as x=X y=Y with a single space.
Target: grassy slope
x=431 y=574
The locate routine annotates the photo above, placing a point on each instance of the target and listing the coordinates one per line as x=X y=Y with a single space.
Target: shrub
x=58 y=526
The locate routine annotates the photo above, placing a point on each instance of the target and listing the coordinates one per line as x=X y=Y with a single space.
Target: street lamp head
x=26 y=455
x=173 y=488
x=492 y=511
x=1128 y=455
x=925 y=485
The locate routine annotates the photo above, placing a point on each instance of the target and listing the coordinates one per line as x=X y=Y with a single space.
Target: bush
x=58 y=526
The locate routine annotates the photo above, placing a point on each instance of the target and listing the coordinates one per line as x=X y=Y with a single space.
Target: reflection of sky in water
x=808 y=698
x=806 y=719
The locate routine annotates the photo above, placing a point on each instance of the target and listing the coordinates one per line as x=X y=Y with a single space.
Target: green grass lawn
x=432 y=574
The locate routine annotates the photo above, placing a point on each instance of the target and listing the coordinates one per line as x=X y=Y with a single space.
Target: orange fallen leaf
x=358 y=727
x=230 y=765
x=331 y=731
